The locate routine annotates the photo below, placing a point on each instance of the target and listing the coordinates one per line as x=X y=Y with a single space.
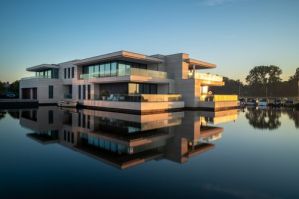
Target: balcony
x=219 y=98
x=140 y=97
x=205 y=76
x=38 y=77
x=127 y=72
x=136 y=103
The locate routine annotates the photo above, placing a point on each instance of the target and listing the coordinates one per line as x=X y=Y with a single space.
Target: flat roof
x=200 y=64
x=119 y=55
x=42 y=67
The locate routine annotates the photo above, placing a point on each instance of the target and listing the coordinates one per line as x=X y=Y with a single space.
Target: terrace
x=125 y=72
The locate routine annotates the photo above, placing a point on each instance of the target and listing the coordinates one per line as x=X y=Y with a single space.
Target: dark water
x=53 y=153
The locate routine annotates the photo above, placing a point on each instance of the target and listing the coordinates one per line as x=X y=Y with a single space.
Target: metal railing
x=218 y=98
x=205 y=76
x=126 y=72
x=140 y=97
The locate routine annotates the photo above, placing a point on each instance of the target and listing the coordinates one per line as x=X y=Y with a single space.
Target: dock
x=18 y=103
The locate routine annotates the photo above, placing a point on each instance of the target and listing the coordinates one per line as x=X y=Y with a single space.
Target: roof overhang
x=42 y=67
x=120 y=55
x=211 y=83
x=197 y=64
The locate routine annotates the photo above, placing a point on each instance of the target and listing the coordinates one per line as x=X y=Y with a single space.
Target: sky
x=236 y=35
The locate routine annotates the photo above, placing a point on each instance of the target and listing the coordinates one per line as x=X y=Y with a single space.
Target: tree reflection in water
x=14 y=114
x=264 y=118
x=2 y=114
x=293 y=115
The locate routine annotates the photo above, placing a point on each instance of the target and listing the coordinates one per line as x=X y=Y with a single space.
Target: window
x=135 y=88
x=69 y=73
x=204 y=89
x=96 y=70
x=107 y=69
x=85 y=70
x=84 y=91
x=88 y=92
x=73 y=72
x=64 y=73
x=153 y=89
x=50 y=92
x=79 y=92
x=113 y=69
x=55 y=73
x=50 y=117
x=102 y=70
x=121 y=69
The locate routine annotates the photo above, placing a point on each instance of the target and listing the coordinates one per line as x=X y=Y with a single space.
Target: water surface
x=53 y=153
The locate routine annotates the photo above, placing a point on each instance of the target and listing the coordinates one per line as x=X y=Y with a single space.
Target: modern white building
x=127 y=81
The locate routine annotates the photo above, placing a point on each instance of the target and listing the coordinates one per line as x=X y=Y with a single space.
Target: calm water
x=54 y=153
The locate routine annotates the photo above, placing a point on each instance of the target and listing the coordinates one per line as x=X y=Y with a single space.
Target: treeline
x=262 y=81
x=6 y=87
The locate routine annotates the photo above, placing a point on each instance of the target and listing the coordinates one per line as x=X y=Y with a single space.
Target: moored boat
x=67 y=103
x=263 y=102
x=251 y=102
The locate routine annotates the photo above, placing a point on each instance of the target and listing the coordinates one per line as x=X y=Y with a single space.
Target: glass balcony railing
x=140 y=97
x=205 y=76
x=39 y=77
x=127 y=72
x=218 y=98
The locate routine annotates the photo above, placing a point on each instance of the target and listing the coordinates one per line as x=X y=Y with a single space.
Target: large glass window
x=135 y=88
x=102 y=70
x=91 y=70
x=107 y=69
x=96 y=70
x=121 y=69
x=113 y=69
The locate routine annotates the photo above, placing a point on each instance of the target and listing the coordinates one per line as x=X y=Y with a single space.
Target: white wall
x=42 y=85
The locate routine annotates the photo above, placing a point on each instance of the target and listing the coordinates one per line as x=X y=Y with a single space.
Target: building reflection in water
x=126 y=140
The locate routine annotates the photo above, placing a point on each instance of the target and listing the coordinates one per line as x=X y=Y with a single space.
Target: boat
x=277 y=102
x=288 y=102
x=242 y=102
x=67 y=103
x=263 y=102
x=251 y=102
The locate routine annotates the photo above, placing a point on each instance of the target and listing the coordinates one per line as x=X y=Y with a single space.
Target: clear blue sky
x=234 y=34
